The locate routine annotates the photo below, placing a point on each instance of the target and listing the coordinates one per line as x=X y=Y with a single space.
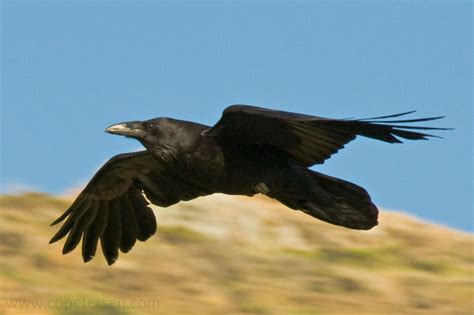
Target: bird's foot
x=262 y=188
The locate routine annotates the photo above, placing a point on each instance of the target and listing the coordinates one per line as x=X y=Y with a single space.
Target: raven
x=249 y=150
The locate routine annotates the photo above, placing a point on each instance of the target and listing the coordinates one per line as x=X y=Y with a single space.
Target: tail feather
x=332 y=200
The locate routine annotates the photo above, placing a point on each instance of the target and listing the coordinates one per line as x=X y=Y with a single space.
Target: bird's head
x=153 y=131
x=158 y=134
x=140 y=130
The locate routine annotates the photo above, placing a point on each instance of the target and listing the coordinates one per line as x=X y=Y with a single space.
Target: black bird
x=249 y=150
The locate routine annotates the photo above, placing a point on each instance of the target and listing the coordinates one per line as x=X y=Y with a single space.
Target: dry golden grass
x=237 y=255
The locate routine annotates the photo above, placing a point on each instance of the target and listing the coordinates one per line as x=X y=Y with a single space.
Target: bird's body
x=229 y=169
x=250 y=150
x=233 y=169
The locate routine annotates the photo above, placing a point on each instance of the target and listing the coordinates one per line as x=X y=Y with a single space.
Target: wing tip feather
x=53 y=240
x=111 y=260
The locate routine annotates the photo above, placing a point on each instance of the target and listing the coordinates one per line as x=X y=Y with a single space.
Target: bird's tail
x=329 y=199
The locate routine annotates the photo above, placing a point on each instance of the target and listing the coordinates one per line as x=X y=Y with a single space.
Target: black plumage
x=249 y=150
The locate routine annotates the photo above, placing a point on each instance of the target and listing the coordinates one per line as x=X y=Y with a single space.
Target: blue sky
x=71 y=68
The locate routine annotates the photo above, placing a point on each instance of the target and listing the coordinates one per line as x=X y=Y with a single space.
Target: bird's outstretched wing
x=308 y=139
x=112 y=208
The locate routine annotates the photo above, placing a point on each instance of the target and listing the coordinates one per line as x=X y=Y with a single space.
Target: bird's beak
x=127 y=129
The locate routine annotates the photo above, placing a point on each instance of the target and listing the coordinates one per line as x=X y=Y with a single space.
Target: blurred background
x=72 y=68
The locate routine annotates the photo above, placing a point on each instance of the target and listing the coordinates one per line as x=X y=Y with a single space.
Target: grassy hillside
x=237 y=255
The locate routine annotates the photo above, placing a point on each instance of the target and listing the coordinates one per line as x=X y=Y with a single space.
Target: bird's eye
x=150 y=127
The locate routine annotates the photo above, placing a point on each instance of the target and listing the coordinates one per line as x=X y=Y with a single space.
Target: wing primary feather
x=94 y=231
x=411 y=135
x=129 y=225
x=387 y=132
x=68 y=225
x=79 y=226
x=413 y=127
x=405 y=120
x=74 y=205
x=110 y=239
x=390 y=116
